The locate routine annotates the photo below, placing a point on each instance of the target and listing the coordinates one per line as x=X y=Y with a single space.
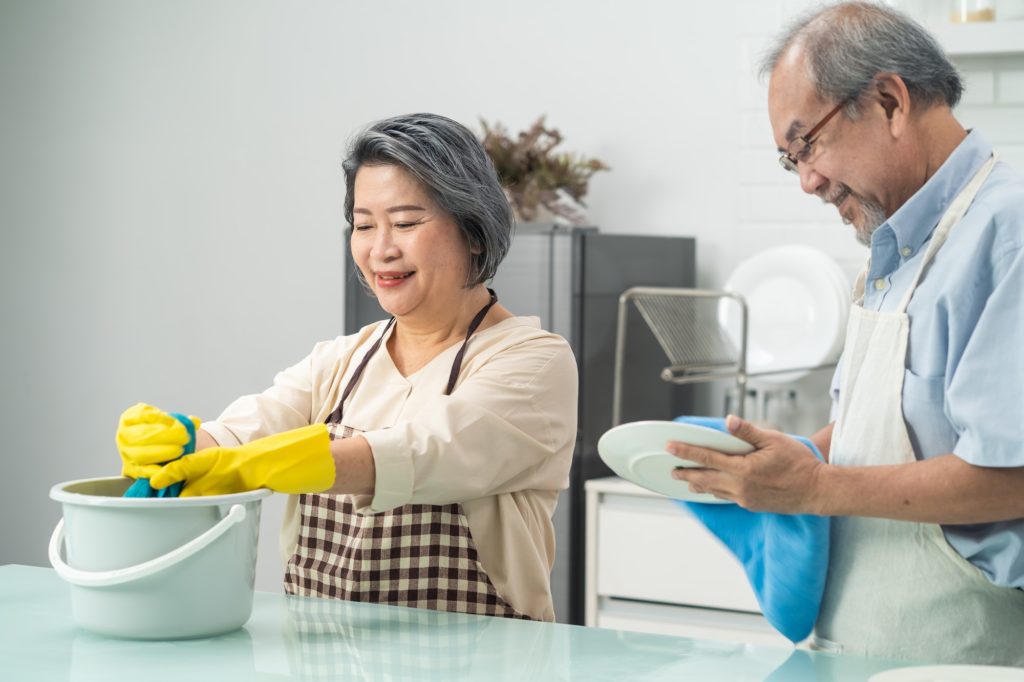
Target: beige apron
x=419 y=555
x=897 y=589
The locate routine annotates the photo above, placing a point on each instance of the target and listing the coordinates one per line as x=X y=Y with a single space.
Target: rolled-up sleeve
x=509 y=425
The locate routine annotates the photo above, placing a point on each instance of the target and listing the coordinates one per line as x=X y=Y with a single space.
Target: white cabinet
x=652 y=567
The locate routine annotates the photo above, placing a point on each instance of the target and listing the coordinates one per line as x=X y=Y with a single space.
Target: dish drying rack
x=685 y=323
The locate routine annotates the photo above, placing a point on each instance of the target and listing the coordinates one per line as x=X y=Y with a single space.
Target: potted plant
x=537 y=178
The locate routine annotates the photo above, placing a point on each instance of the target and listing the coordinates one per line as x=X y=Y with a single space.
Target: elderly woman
x=424 y=453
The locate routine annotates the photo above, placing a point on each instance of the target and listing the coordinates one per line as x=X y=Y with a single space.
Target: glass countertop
x=320 y=639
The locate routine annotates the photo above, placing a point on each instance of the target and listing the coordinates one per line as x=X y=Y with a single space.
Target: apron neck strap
x=952 y=216
x=335 y=416
x=457 y=365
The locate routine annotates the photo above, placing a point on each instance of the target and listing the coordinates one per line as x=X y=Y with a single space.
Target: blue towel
x=141 y=487
x=785 y=556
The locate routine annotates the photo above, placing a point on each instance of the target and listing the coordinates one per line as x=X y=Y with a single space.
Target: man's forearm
x=942 y=489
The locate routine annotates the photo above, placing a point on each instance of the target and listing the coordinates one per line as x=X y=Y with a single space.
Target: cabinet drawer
x=651 y=549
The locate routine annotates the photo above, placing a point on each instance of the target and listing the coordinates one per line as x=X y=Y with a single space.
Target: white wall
x=170 y=190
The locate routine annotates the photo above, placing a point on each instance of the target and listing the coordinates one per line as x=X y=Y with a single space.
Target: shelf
x=981 y=38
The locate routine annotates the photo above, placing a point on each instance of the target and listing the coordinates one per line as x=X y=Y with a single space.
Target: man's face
x=842 y=165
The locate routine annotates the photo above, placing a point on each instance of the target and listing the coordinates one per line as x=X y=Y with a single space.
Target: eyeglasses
x=800 y=148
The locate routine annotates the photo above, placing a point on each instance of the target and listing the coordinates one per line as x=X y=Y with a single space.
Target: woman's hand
x=781 y=474
x=147 y=437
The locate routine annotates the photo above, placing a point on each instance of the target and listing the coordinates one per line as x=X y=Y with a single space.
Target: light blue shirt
x=963 y=391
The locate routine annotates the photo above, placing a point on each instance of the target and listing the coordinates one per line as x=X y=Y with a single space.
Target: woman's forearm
x=354 y=469
x=205 y=440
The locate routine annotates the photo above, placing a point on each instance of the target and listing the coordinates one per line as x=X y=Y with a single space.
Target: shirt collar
x=914 y=221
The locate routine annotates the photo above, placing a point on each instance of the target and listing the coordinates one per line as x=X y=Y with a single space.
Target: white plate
x=797 y=304
x=950 y=673
x=636 y=452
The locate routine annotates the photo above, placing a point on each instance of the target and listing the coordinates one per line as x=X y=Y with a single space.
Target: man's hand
x=781 y=475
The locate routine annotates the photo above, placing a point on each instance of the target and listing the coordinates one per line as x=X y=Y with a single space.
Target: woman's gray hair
x=456 y=172
x=848 y=44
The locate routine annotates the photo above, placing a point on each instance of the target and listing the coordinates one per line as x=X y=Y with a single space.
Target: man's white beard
x=872 y=213
x=873 y=216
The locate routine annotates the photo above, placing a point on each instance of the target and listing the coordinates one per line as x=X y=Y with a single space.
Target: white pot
x=156 y=568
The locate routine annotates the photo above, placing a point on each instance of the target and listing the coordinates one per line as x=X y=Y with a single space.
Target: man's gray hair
x=456 y=172
x=848 y=44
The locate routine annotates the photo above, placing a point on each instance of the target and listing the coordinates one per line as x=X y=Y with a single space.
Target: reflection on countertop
x=319 y=639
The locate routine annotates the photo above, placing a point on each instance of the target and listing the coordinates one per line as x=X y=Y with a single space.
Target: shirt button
x=879 y=284
x=906 y=251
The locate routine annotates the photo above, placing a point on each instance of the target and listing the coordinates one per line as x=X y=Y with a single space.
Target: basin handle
x=120 y=576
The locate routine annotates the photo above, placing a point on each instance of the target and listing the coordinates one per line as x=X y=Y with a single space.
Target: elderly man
x=925 y=459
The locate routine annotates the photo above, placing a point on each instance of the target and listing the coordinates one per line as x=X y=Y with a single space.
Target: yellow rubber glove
x=296 y=461
x=147 y=437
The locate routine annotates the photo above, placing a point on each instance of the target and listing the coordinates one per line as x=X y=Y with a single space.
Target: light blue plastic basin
x=156 y=568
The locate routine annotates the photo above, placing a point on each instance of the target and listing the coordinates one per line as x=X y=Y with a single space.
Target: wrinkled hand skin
x=781 y=475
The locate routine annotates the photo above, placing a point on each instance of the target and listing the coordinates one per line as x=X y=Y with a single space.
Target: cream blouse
x=501 y=444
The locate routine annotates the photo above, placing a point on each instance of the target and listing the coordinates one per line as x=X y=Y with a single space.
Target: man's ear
x=892 y=95
x=890 y=104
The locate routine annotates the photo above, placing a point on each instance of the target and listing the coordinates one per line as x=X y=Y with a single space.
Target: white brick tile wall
x=769 y=203
x=759 y=166
x=1010 y=85
x=758 y=17
x=755 y=131
x=980 y=86
x=1012 y=154
x=1001 y=124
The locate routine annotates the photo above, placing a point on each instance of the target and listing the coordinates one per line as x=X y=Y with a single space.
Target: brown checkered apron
x=419 y=555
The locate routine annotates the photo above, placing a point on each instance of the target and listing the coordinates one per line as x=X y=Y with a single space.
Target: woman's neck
x=416 y=341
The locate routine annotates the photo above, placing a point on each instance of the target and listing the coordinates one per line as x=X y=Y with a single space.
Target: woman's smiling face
x=411 y=252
